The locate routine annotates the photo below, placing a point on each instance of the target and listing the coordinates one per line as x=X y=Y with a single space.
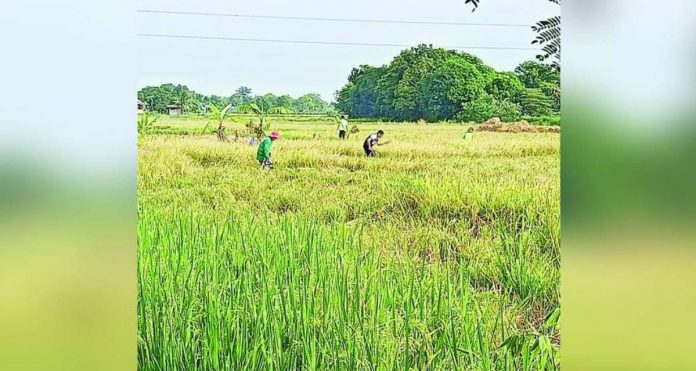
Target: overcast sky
x=219 y=67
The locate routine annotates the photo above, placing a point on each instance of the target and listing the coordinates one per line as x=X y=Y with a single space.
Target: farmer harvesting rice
x=371 y=141
x=343 y=127
x=263 y=154
x=469 y=135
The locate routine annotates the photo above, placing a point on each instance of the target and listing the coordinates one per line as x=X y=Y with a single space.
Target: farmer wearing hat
x=263 y=154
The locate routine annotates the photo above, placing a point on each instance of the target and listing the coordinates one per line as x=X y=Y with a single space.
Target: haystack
x=495 y=125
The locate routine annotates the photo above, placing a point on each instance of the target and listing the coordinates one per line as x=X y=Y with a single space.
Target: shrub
x=543 y=120
x=486 y=107
x=536 y=103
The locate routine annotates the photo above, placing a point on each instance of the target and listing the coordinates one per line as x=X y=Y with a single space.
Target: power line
x=333 y=19
x=320 y=42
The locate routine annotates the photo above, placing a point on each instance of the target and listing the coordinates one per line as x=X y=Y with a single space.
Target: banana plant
x=182 y=100
x=146 y=121
x=261 y=113
x=218 y=117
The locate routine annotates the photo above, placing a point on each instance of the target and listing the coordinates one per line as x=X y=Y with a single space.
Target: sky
x=219 y=67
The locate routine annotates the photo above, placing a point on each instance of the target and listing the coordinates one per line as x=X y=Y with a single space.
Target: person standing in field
x=371 y=141
x=343 y=127
x=263 y=154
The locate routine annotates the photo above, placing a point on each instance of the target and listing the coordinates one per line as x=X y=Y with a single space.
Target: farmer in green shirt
x=263 y=155
x=469 y=135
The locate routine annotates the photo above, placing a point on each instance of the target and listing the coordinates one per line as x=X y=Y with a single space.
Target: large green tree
x=505 y=86
x=158 y=97
x=359 y=96
x=533 y=74
x=432 y=84
x=311 y=103
x=266 y=101
x=286 y=101
x=404 y=91
x=536 y=103
x=437 y=84
x=453 y=83
x=543 y=88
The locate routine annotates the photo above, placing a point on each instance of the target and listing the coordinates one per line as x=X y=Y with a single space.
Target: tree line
x=157 y=98
x=435 y=84
x=423 y=82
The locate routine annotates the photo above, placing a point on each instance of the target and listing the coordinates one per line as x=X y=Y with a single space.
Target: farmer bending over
x=343 y=127
x=264 y=152
x=371 y=141
x=469 y=135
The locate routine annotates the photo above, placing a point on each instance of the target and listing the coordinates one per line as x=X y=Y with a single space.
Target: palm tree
x=182 y=99
x=253 y=108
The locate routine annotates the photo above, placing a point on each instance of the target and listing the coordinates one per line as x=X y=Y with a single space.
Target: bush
x=543 y=120
x=535 y=103
x=486 y=107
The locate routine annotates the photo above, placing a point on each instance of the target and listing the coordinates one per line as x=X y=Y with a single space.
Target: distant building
x=173 y=110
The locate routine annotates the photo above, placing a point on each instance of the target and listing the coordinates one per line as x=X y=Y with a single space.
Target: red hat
x=275 y=135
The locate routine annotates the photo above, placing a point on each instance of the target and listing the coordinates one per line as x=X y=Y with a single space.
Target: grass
x=439 y=254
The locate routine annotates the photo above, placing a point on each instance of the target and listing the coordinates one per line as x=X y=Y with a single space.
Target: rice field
x=440 y=254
